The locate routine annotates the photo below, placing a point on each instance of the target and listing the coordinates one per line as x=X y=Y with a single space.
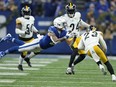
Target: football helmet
x=26 y=11
x=70 y=9
x=60 y=23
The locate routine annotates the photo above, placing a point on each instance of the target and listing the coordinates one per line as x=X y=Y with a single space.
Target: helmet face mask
x=26 y=11
x=70 y=9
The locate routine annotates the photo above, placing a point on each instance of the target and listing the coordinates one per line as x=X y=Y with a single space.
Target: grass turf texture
x=87 y=74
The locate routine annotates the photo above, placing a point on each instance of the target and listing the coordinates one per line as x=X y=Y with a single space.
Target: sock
x=79 y=59
x=20 y=60
x=73 y=55
x=109 y=67
x=98 y=63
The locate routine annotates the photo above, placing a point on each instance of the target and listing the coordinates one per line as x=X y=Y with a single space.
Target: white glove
x=40 y=36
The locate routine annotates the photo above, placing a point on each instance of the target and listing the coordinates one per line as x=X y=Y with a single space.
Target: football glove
x=40 y=36
x=92 y=28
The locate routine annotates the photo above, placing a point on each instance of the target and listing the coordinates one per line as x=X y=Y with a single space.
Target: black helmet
x=70 y=9
x=26 y=11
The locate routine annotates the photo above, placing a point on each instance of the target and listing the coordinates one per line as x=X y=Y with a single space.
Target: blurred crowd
x=100 y=13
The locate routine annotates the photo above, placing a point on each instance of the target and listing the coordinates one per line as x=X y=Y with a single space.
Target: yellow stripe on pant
x=100 y=53
x=75 y=45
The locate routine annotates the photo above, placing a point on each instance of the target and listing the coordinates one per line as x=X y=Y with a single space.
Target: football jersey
x=46 y=41
x=27 y=24
x=90 y=39
x=74 y=23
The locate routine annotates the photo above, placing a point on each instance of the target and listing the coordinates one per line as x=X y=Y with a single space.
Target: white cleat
x=69 y=71
x=113 y=78
x=102 y=68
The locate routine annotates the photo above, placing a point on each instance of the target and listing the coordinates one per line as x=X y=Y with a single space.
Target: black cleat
x=20 y=67
x=28 y=62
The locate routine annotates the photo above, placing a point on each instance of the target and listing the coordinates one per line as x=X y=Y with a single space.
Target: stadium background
x=100 y=13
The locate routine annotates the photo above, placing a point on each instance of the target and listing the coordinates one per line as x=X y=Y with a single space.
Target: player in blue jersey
x=56 y=34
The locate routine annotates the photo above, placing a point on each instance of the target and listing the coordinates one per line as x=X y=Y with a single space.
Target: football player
x=74 y=22
x=93 y=43
x=25 y=29
x=56 y=34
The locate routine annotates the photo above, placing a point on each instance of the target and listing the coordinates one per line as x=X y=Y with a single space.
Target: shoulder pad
x=32 y=18
x=18 y=21
x=78 y=14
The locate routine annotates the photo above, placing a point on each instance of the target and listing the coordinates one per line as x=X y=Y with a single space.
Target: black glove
x=93 y=28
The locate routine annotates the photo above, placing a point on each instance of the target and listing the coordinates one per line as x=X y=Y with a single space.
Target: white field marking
x=34 y=86
x=41 y=59
x=14 y=64
x=19 y=85
x=9 y=68
x=67 y=82
x=51 y=60
x=62 y=86
x=65 y=78
x=7 y=81
x=13 y=74
x=15 y=61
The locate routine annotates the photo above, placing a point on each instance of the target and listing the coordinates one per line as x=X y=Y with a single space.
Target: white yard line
x=67 y=82
x=7 y=81
x=13 y=74
x=14 y=61
x=15 y=64
x=9 y=68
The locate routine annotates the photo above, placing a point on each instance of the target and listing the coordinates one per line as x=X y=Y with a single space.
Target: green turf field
x=50 y=72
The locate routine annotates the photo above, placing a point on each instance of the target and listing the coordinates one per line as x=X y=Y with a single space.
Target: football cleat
x=102 y=68
x=6 y=38
x=28 y=62
x=2 y=53
x=113 y=78
x=69 y=71
x=20 y=67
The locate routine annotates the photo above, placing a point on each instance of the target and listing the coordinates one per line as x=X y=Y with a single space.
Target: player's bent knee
x=23 y=54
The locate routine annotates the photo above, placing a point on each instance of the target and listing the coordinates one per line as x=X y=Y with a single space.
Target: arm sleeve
x=50 y=30
x=35 y=29
x=102 y=42
x=84 y=24
x=20 y=32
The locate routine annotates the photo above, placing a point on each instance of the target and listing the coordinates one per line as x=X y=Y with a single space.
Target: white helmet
x=60 y=23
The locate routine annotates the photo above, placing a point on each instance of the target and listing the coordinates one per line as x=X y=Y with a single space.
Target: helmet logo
x=71 y=6
x=26 y=8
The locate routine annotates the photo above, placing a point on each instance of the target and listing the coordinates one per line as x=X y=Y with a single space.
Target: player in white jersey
x=93 y=43
x=25 y=29
x=74 y=23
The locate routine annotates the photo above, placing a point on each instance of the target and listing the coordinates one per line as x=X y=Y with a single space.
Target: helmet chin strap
x=26 y=16
x=71 y=15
